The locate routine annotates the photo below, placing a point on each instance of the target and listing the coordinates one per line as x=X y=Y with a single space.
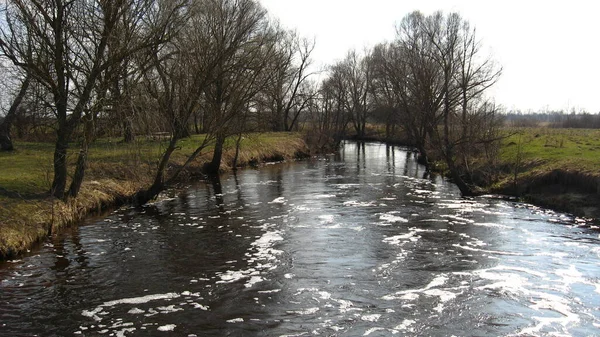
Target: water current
x=362 y=243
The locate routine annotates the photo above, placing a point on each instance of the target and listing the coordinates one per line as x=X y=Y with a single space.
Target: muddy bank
x=562 y=190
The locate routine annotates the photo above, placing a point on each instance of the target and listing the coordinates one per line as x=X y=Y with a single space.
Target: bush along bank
x=116 y=173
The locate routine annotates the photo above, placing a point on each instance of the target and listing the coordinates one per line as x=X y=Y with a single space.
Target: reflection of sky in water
x=369 y=246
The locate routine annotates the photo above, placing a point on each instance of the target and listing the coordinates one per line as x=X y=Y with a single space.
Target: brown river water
x=362 y=243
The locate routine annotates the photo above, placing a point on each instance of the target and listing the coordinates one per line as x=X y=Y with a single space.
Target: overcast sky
x=549 y=50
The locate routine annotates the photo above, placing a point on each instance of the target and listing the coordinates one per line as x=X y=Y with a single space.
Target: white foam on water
x=398 y=240
x=444 y=296
x=324 y=295
x=370 y=318
x=346 y=186
x=491 y=224
x=457 y=218
x=345 y=305
x=296 y=335
x=390 y=217
x=326 y=218
x=136 y=311
x=371 y=330
x=261 y=259
x=504 y=282
x=231 y=276
x=235 y=320
x=253 y=280
x=167 y=327
x=405 y=325
x=542 y=301
x=324 y=196
x=486 y=251
x=133 y=300
x=308 y=311
x=571 y=275
x=355 y=203
x=413 y=294
x=121 y=333
x=169 y=309
x=280 y=200
x=199 y=306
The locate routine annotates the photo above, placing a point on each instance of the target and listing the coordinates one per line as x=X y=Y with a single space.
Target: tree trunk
x=237 y=151
x=128 y=135
x=215 y=164
x=196 y=128
x=5 y=140
x=158 y=185
x=465 y=190
x=81 y=159
x=59 y=183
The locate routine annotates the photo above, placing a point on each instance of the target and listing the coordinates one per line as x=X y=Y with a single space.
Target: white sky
x=549 y=50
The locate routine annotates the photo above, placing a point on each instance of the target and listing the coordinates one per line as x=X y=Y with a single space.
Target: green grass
x=27 y=169
x=568 y=149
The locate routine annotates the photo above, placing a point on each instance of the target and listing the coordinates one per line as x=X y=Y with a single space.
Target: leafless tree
x=63 y=45
x=286 y=96
x=241 y=34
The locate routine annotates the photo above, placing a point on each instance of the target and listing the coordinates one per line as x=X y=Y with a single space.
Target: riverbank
x=115 y=173
x=552 y=168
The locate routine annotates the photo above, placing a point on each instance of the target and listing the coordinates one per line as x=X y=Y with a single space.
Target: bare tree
x=357 y=74
x=434 y=78
x=63 y=46
x=286 y=96
x=6 y=143
x=241 y=34
x=330 y=115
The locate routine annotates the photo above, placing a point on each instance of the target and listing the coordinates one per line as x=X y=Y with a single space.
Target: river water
x=358 y=244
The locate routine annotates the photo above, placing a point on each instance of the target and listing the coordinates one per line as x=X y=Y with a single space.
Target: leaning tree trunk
x=215 y=163
x=158 y=185
x=82 y=159
x=237 y=152
x=5 y=139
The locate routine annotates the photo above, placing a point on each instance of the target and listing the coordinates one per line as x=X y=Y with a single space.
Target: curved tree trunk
x=82 y=159
x=215 y=163
x=5 y=139
x=158 y=185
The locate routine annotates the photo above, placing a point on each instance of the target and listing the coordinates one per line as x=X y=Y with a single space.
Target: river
x=362 y=243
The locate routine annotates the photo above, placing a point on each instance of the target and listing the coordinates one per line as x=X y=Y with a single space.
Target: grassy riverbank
x=116 y=171
x=556 y=168
x=553 y=168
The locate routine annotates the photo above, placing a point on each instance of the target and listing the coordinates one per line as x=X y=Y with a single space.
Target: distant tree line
x=554 y=119
x=92 y=68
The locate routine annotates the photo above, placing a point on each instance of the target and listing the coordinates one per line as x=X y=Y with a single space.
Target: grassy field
x=568 y=149
x=555 y=168
x=115 y=172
